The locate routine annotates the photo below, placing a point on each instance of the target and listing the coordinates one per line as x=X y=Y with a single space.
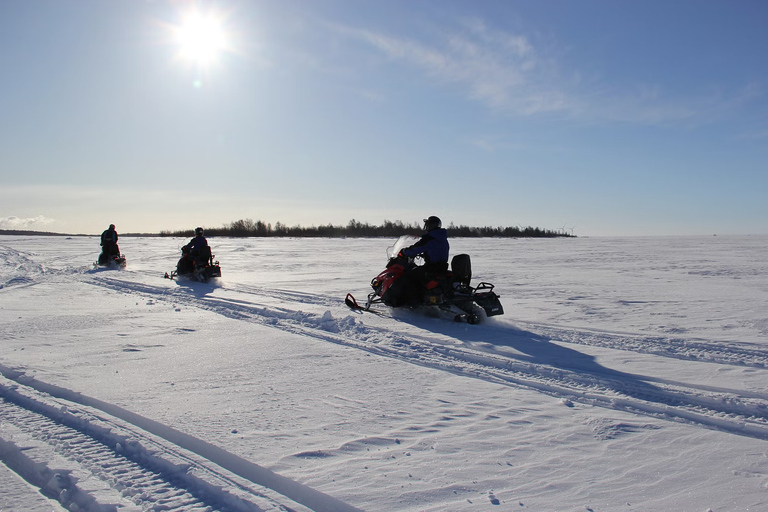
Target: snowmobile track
x=581 y=381
x=679 y=348
x=78 y=453
x=85 y=459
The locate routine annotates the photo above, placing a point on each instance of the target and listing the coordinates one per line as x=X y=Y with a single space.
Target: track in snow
x=478 y=352
x=93 y=456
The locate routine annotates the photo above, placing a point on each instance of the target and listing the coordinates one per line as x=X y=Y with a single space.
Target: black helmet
x=111 y=226
x=432 y=223
x=199 y=231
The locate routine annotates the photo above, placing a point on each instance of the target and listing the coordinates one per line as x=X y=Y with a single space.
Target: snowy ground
x=628 y=374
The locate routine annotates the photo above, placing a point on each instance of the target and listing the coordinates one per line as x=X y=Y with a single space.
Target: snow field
x=626 y=374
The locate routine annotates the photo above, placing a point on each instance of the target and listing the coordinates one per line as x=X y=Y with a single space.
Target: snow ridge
x=125 y=462
x=17 y=268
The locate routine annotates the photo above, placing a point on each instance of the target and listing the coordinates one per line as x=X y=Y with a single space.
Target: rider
x=433 y=247
x=109 y=241
x=198 y=247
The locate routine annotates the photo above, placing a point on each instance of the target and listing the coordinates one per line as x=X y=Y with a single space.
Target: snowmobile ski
x=352 y=303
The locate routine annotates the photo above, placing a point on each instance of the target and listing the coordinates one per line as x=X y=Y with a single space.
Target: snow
x=626 y=374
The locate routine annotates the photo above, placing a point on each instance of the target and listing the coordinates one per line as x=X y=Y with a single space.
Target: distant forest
x=27 y=232
x=354 y=229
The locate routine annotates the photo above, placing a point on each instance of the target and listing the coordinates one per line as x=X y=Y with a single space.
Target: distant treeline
x=249 y=228
x=27 y=232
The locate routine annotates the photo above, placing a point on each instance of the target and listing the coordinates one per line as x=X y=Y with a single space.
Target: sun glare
x=201 y=38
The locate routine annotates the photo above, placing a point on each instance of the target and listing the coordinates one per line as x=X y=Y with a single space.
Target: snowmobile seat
x=462 y=269
x=205 y=255
x=110 y=248
x=202 y=256
x=435 y=271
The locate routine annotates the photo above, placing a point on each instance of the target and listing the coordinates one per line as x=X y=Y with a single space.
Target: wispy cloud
x=518 y=74
x=491 y=143
x=755 y=135
x=24 y=223
x=498 y=69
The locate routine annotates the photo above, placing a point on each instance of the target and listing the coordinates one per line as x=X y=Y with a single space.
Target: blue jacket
x=433 y=246
x=197 y=243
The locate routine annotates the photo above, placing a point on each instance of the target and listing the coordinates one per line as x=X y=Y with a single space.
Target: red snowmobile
x=449 y=291
x=199 y=266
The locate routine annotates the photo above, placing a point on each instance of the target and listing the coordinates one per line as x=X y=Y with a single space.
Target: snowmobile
x=449 y=291
x=111 y=259
x=199 y=266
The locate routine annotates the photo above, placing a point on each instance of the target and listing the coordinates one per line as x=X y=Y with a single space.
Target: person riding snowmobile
x=196 y=260
x=434 y=248
x=197 y=249
x=109 y=241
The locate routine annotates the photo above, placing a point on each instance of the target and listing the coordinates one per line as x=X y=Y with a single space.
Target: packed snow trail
x=72 y=425
x=542 y=364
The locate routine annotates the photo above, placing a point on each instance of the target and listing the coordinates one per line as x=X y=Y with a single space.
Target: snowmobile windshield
x=402 y=242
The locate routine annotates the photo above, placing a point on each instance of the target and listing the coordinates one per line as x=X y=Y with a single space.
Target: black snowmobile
x=449 y=291
x=111 y=258
x=199 y=266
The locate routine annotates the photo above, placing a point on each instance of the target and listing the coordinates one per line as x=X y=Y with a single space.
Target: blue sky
x=598 y=117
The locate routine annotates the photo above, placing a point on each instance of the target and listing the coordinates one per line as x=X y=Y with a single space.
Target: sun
x=202 y=37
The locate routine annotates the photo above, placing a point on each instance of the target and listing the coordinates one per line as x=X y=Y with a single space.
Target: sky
x=596 y=117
